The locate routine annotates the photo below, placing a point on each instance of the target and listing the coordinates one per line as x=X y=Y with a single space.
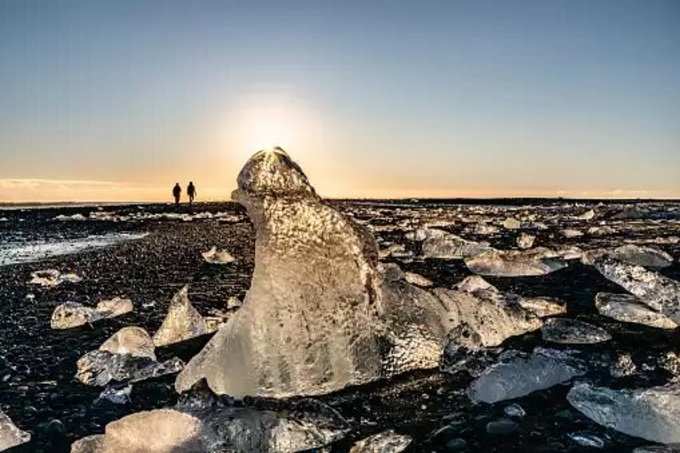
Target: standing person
x=191 y=191
x=176 y=192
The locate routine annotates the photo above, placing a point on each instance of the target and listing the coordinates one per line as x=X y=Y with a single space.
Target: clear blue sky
x=119 y=99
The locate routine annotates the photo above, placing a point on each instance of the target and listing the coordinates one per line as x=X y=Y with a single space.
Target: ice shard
x=182 y=322
x=651 y=414
x=214 y=256
x=518 y=374
x=628 y=308
x=658 y=292
x=319 y=315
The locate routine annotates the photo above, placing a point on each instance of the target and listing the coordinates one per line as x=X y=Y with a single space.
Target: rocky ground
x=37 y=364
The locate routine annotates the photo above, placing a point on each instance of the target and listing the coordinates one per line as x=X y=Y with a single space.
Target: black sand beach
x=37 y=364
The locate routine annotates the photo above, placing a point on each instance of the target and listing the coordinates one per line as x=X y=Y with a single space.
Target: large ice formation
x=651 y=414
x=319 y=315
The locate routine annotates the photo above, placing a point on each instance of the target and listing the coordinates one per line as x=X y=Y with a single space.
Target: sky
x=117 y=101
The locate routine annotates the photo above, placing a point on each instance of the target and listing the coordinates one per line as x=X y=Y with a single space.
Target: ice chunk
x=588 y=440
x=543 y=306
x=660 y=293
x=214 y=256
x=514 y=410
x=656 y=449
x=417 y=279
x=114 y=307
x=519 y=374
x=155 y=431
x=73 y=314
x=473 y=283
x=525 y=241
x=569 y=252
x=450 y=246
x=10 y=435
x=52 y=277
x=116 y=395
x=514 y=263
x=646 y=256
x=490 y=314
x=89 y=444
x=319 y=315
x=571 y=233
x=651 y=413
x=216 y=427
x=485 y=229
x=652 y=257
x=182 y=322
x=63 y=217
x=101 y=367
x=624 y=366
x=588 y=215
x=384 y=442
x=573 y=331
x=130 y=340
x=628 y=308
x=267 y=426
x=233 y=303
x=511 y=223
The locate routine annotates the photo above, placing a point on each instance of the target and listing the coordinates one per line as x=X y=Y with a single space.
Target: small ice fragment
x=588 y=440
x=514 y=410
x=525 y=241
x=116 y=395
x=384 y=442
x=572 y=331
x=214 y=256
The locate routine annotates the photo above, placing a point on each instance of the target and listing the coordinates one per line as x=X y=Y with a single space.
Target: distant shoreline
x=406 y=200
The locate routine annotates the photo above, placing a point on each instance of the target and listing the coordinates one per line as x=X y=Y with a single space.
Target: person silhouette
x=176 y=192
x=191 y=191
